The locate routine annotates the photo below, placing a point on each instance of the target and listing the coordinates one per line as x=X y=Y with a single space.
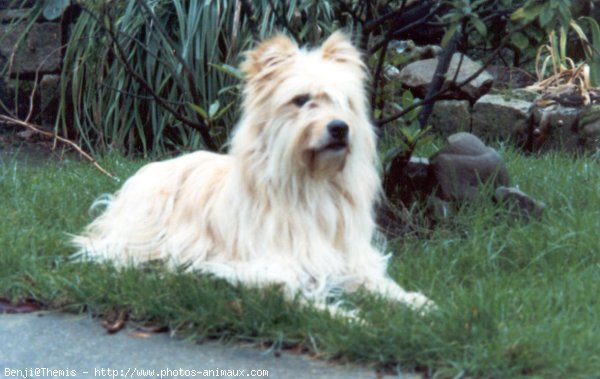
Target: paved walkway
x=81 y=348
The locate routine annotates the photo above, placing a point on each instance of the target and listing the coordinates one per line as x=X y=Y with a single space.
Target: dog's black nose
x=338 y=129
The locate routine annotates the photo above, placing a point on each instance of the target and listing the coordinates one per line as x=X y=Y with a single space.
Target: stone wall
x=502 y=112
x=29 y=53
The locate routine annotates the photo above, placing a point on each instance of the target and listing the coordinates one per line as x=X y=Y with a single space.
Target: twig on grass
x=14 y=120
x=37 y=129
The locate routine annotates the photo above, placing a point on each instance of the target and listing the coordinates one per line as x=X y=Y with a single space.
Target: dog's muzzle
x=337 y=135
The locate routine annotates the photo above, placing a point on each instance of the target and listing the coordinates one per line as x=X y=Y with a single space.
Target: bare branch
x=439 y=76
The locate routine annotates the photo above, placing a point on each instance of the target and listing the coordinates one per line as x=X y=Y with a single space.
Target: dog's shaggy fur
x=291 y=204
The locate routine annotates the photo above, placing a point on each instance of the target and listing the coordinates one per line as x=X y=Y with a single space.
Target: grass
x=517 y=299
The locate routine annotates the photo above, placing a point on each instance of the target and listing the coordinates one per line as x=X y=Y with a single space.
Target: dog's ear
x=339 y=48
x=270 y=53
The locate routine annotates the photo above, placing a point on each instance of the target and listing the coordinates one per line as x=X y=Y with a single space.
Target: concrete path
x=81 y=348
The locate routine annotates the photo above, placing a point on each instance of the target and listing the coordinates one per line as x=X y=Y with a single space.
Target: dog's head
x=305 y=109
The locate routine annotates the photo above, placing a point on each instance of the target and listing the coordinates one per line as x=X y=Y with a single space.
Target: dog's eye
x=299 y=101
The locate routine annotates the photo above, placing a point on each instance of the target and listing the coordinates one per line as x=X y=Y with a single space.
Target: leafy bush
x=148 y=77
x=158 y=76
x=561 y=22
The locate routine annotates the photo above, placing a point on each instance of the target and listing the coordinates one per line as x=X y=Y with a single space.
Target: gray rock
x=40 y=50
x=590 y=127
x=400 y=46
x=589 y=114
x=510 y=77
x=557 y=116
x=49 y=96
x=418 y=75
x=405 y=51
x=521 y=204
x=451 y=116
x=555 y=127
x=497 y=117
x=464 y=144
x=590 y=134
x=17 y=95
x=464 y=164
x=391 y=72
x=524 y=94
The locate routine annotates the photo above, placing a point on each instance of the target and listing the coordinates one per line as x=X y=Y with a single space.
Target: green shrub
x=160 y=76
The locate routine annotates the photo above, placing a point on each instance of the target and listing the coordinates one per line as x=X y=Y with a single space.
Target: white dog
x=291 y=204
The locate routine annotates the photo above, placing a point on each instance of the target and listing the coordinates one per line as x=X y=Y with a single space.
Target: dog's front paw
x=418 y=302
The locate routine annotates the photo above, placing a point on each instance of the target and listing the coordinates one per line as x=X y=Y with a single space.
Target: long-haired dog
x=292 y=202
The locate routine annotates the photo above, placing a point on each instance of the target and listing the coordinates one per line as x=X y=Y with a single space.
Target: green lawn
x=515 y=299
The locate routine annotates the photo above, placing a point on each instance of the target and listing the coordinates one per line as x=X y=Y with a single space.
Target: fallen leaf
x=136 y=334
x=152 y=328
x=113 y=326
x=24 y=306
